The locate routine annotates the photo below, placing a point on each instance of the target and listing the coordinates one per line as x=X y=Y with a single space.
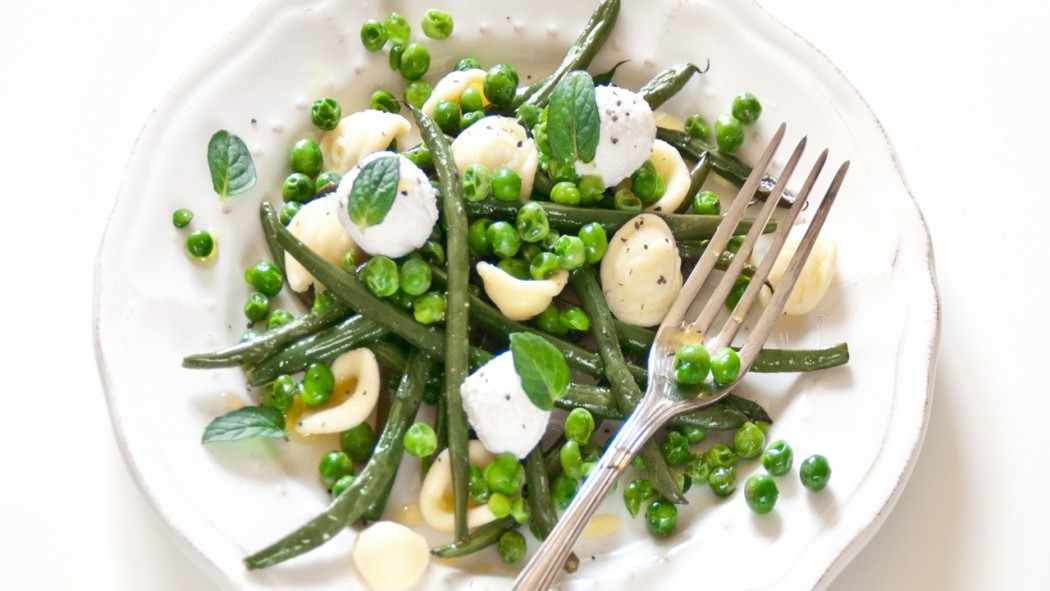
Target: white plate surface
x=225 y=501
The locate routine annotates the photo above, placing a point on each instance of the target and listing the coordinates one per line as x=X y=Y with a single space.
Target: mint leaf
x=374 y=190
x=232 y=168
x=244 y=423
x=542 y=368
x=572 y=119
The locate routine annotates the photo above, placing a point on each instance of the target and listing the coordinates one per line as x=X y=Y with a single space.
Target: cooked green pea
x=305 y=157
x=549 y=321
x=327 y=182
x=264 y=277
x=437 y=24
x=373 y=35
x=326 y=113
x=592 y=189
x=333 y=466
x=503 y=239
x=317 y=384
x=278 y=318
x=420 y=440
x=429 y=308
x=698 y=468
x=777 y=458
x=515 y=267
x=467 y=63
x=675 y=448
x=734 y=244
x=729 y=133
x=563 y=171
x=721 y=455
x=501 y=82
x=544 y=265
x=395 y=56
x=397 y=28
x=469 y=119
x=571 y=460
x=342 y=484
x=280 y=393
x=625 y=200
x=479 y=489
x=358 y=442
x=477 y=182
x=570 y=251
x=477 y=238
x=511 y=546
x=349 y=262
x=723 y=480
x=417 y=92
x=257 y=307
x=529 y=114
x=433 y=252
x=661 y=517
x=575 y=318
x=693 y=433
x=746 y=108
x=383 y=100
x=565 y=192
x=499 y=504
x=288 y=211
x=415 y=61
x=579 y=426
x=518 y=510
x=470 y=100
x=403 y=300
x=706 y=203
x=692 y=364
x=749 y=440
x=200 y=243
x=725 y=366
x=415 y=276
x=504 y=475
x=181 y=218
x=761 y=493
x=446 y=115
x=532 y=222
x=595 y=242
x=647 y=184
x=563 y=490
x=506 y=184
x=381 y=275
x=696 y=126
x=539 y=133
x=815 y=472
x=636 y=493
x=298 y=187
x=530 y=251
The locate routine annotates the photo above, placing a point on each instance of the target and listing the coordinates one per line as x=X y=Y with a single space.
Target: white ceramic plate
x=225 y=501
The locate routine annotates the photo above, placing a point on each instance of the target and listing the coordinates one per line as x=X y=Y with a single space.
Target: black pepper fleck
x=661 y=280
x=615 y=141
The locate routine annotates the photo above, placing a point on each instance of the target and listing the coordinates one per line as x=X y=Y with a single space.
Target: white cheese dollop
x=625 y=138
x=390 y=556
x=495 y=142
x=642 y=272
x=520 y=299
x=317 y=225
x=499 y=410
x=411 y=217
x=358 y=135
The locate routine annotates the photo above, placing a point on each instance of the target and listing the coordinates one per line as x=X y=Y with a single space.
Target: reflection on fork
x=662 y=400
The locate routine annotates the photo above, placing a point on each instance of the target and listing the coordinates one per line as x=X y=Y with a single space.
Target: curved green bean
x=666 y=84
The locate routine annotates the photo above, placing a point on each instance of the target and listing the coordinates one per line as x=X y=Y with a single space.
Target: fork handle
x=540 y=572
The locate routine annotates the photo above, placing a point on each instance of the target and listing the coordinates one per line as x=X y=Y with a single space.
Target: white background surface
x=962 y=90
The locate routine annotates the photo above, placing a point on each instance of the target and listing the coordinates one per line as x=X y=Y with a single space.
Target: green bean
x=666 y=84
x=569 y=219
x=727 y=166
x=697 y=178
x=607 y=76
x=457 y=315
x=726 y=414
x=270 y=342
x=582 y=51
x=369 y=486
x=624 y=387
x=541 y=505
x=325 y=344
x=481 y=537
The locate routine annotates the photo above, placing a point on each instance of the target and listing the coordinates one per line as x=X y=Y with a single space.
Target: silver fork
x=660 y=402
